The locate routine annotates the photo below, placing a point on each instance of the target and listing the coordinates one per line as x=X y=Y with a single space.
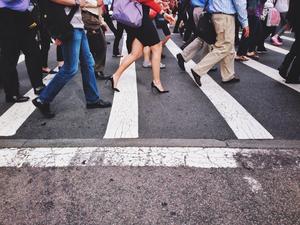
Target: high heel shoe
x=111 y=79
x=153 y=86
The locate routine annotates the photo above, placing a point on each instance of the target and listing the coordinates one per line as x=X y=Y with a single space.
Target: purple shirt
x=18 y=5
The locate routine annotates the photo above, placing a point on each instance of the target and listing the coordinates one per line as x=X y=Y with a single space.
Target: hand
x=169 y=18
x=104 y=27
x=58 y=42
x=246 y=31
x=82 y=3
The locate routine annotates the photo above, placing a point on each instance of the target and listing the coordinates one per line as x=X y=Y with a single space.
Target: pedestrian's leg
x=70 y=51
x=137 y=52
x=118 y=37
x=32 y=53
x=156 y=59
x=87 y=70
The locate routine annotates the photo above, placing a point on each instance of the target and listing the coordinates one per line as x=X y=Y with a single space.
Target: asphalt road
x=188 y=164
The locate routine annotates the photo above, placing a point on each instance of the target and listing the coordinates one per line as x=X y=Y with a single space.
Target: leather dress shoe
x=100 y=76
x=180 y=61
x=196 y=78
x=38 y=90
x=44 y=108
x=99 y=104
x=16 y=99
x=233 y=80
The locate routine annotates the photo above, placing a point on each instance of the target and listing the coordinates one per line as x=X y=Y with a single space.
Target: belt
x=224 y=13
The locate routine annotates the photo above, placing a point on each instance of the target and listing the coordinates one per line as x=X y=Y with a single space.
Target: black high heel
x=111 y=79
x=153 y=86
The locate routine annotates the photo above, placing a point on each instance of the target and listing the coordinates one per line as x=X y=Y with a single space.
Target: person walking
x=146 y=35
x=223 y=18
x=17 y=33
x=290 y=67
x=282 y=6
x=74 y=50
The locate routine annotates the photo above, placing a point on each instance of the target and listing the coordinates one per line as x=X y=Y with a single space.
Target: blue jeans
x=74 y=51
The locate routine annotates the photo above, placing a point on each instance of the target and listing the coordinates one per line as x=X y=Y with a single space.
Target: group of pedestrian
x=259 y=19
x=21 y=22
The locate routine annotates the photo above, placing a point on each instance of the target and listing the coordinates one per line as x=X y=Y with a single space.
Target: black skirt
x=147 y=33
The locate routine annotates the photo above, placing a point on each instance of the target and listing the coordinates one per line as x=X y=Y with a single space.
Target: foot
x=38 y=90
x=253 y=55
x=100 y=76
x=147 y=64
x=292 y=81
x=196 y=78
x=16 y=99
x=117 y=55
x=180 y=61
x=241 y=58
x=233 y=80
x=261 y=50
x=275 y=41
x=44 y=108
x=162 y=66
x=99 y=104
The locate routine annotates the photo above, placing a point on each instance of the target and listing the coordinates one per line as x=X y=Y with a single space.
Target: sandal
x=241 y=58
x=253 y=55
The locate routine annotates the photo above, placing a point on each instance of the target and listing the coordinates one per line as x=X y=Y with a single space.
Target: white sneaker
x=162 y=66
x=147 y=64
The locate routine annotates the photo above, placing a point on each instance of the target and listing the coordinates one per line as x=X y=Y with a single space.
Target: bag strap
x=72 y=13
x=206 y=4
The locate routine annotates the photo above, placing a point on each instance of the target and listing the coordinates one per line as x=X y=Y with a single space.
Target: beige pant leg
x=196 y=45
x=227 y=64
x=221 y=48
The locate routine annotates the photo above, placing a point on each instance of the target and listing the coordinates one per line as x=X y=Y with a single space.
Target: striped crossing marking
x=242 y=123
x=276 y=49
x=17 y=114
x=287 y=38
x=123 y=119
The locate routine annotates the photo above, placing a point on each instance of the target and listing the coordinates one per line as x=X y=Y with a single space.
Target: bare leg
x=147 y=55
x=156 y=58
x=136 y=52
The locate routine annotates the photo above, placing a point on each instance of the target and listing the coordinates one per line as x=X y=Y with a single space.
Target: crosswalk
x=124 y=119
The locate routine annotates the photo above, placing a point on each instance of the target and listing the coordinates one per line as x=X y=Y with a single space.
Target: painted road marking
x=270 y=72
x=123 y=119
x=17 y=114
x=199 y=157
x=242 y=123
x=287 y=38
x=276 y=49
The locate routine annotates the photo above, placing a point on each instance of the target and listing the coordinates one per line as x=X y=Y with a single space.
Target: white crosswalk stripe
x=287 y=38
x=123 y=119
x=239 y=120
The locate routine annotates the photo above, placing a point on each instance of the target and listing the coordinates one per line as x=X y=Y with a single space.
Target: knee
x=156 y=48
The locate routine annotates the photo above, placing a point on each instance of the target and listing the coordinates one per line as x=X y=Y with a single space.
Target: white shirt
x=282 y=6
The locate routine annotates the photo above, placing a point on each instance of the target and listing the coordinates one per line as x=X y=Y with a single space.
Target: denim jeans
x=74 y=51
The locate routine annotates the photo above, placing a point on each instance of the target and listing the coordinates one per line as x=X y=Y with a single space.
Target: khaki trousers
x=223 y=50
x=197 y=44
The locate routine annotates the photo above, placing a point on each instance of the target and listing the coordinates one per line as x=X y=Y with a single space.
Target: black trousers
x=45 y=45
x=292 y=61
x=97 y=43
x=15 y=37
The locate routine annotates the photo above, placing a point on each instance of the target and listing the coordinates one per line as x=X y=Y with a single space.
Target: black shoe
x=44 y=108
x=16 y=99
x=111 y=79
x=154 y=87
x=180 y=61
x=292 y=81
x=38 y=90
x=261 y=50
x=98 y=104
x=100 y=76
x=282 y=72
x=214 y=69
x=233 y=80
x=196 y=78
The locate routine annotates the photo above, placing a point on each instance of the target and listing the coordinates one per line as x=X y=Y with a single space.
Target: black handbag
x=205 y=28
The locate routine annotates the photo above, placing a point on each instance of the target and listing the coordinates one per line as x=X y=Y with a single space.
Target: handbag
x=205 y=28
x=273 y=17
x=128 y=12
